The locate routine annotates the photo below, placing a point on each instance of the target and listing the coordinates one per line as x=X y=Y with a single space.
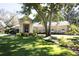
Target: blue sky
x=12 y=7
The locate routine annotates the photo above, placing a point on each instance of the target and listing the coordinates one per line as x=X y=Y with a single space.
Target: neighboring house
x=56 y=27
x=38 y=27
x=26 y=26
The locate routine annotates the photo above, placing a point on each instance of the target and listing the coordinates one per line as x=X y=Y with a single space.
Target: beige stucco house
x=60 y=27
x=26 y=26
x=56 y=27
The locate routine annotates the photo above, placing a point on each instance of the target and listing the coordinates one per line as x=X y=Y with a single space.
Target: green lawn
x=30 y=46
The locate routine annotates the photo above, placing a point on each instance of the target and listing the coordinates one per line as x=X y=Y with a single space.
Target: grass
x=30 y=46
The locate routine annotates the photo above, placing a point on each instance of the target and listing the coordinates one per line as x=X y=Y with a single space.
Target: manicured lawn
x=30 y=46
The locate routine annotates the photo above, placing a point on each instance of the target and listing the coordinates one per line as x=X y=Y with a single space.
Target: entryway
x=26 y=28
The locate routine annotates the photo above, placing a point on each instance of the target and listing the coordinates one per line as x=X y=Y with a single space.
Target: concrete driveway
x=4 y=34
x=65 y=36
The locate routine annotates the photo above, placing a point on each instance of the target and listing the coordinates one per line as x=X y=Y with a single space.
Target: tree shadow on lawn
x=7 y=45
x=6 y=50
x=32 y=52
x=20 y=46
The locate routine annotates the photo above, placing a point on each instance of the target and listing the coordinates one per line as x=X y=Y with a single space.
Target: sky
x=11 y=7
x=14 y=7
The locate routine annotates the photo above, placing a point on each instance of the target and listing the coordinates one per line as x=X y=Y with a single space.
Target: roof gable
x=25 y=18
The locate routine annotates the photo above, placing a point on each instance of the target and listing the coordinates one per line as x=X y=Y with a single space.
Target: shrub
x=25 y=34
x=65 y=42
x=18 y=34
x=59 y=51
x=11 y=31
x=35 y=32
x=31 y=34
x=7 y=31
x=73 y=29
x=67 y=53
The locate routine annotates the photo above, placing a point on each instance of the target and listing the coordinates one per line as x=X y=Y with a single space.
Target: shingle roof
x=60 y=23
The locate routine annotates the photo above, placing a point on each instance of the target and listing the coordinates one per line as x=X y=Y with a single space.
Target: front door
x=26 y=28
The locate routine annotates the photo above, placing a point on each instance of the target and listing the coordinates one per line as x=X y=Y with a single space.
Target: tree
x=9 y=19
x=68 y=11
x=74 y=15
x=58 y=17
x=37 y=18
x=44 y=11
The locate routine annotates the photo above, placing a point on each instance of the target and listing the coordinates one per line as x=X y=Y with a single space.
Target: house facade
x=56 y=27
x=26 y=26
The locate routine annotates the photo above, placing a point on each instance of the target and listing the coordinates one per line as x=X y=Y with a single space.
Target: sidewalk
x=65 y=36
x=4 y=34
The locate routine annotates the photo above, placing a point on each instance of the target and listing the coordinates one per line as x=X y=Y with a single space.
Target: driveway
x=65 y=36
x=59 y=36
x=4 y=34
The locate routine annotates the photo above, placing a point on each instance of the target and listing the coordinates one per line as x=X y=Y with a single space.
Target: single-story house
x=27 y=26
x=56 y=27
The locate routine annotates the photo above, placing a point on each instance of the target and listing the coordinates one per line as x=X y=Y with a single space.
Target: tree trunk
x=50 y=18
x=46 y=30
x=49 y=29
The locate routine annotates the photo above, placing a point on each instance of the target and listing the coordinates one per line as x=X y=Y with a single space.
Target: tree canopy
x=47 y=12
